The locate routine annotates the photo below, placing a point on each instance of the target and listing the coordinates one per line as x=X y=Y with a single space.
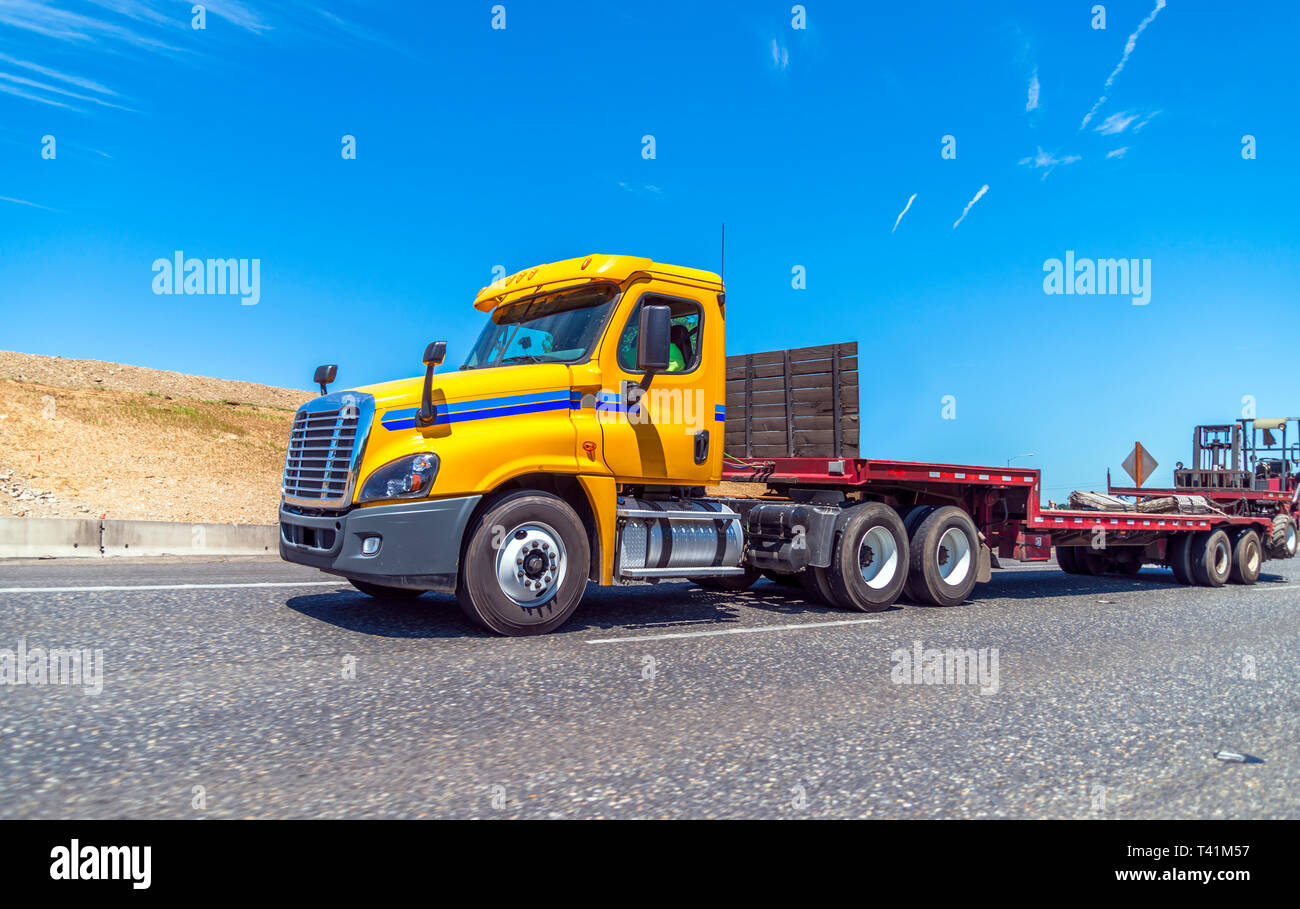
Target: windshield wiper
x=522 y=358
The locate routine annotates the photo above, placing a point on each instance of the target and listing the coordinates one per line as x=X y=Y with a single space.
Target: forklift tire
x=1282 y=541
x=869 y=558
x=816 y=582
x=1179 y=554
x=1211 y=558
x=383 y=592
x=1247 y=558
x=944 y=558
x=1067 y=559
x=730 y=582
x=531 y=579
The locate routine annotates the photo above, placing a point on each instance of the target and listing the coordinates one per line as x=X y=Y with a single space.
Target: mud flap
x=985 y=570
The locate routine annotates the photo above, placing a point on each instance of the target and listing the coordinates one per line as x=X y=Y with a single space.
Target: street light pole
x=1013 y=457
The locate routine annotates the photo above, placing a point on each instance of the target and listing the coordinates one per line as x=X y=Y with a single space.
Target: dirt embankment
x=85 y=438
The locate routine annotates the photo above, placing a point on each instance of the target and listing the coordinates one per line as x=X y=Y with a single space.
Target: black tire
x=1091 y=561
x=1067 y=559
x=1179 y=556
x=527 y=517
x=816 y=582
x=869 y=558
x=932 y=566
x=1131 y=567
x=1247 y=558
x=782 y=578
x=1282 y=541
x=914 y=516
x=383 y=592
x=730 y=582
x=1211 y=558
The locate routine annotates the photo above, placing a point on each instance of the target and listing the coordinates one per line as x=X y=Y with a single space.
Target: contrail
x=904 y=211
x=979 y=195
x=1128 y=49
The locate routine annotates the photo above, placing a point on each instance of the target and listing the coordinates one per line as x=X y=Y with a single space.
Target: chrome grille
x=325 y=446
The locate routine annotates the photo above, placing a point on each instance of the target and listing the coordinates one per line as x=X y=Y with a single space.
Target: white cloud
x=780 y=55
x=1047 y=161
x=1128 y=49
x=1032 y=103
x=25 y=202
x=1117 y=152
x=903 y=212
x=1115 y=124
x=979 y=195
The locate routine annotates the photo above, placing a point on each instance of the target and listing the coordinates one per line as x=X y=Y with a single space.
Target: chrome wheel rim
x=878 y=558
x=531 y=564
x=953 y=556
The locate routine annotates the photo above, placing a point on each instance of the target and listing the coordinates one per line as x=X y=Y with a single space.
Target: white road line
x=704 y=634
x=170 y=587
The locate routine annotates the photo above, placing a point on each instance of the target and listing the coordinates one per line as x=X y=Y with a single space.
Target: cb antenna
x=722 y=265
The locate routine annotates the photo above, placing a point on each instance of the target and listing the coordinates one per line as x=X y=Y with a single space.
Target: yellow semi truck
x=575 y=443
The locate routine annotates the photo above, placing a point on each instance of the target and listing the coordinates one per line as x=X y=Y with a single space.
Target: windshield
x=558 y=327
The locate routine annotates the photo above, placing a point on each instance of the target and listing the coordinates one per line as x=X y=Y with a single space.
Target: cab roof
x=593 y=268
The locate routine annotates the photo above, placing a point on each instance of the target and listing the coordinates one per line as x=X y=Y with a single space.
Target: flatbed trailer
x=1004 y=505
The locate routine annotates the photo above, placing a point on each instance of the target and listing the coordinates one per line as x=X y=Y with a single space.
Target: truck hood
x=458 y=395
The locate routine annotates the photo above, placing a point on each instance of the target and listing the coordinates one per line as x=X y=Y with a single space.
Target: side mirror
x=653 y=340
x=325 y=375
x=435 y=353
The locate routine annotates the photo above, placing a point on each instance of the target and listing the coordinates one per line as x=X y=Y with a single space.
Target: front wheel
x=1247 y=558
x=525 y=564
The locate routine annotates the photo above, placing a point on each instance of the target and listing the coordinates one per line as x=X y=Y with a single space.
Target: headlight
x=410 y=477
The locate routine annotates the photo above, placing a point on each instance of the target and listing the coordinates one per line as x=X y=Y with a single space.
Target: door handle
x=701 y=446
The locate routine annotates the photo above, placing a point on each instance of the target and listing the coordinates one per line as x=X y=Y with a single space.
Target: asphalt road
x=1111 y=696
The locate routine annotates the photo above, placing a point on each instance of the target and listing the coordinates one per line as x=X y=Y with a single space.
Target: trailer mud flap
x=985 y=570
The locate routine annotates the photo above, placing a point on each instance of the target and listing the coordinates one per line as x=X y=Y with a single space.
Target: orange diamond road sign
x=1140 y=464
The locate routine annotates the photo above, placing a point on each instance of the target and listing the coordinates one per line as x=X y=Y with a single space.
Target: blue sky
x=479 y=147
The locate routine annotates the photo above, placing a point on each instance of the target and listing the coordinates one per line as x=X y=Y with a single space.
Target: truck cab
x=596 y=384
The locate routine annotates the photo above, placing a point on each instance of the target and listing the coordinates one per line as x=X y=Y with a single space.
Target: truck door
x=665 y=431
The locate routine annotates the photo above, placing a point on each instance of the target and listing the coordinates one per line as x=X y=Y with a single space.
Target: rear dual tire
x=944 y=557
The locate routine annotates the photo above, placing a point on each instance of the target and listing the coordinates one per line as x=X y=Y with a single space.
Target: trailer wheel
x=1131 y=566
x=944 y=558
x=1282 y=541
x=869 y=558
x=382 y=591
x=1247 y=558
x=1211 y=558
x=914 y=516
x=525 y=564
x=1091 y=562
x=1067 y=559
x=1179 y=556
x=732 y=582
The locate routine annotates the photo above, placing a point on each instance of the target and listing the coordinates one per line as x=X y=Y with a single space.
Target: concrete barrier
x=38 y=538
x=43 y=538
x=155 y=538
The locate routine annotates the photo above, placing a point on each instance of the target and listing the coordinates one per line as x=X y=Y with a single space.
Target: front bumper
x=419 y=544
